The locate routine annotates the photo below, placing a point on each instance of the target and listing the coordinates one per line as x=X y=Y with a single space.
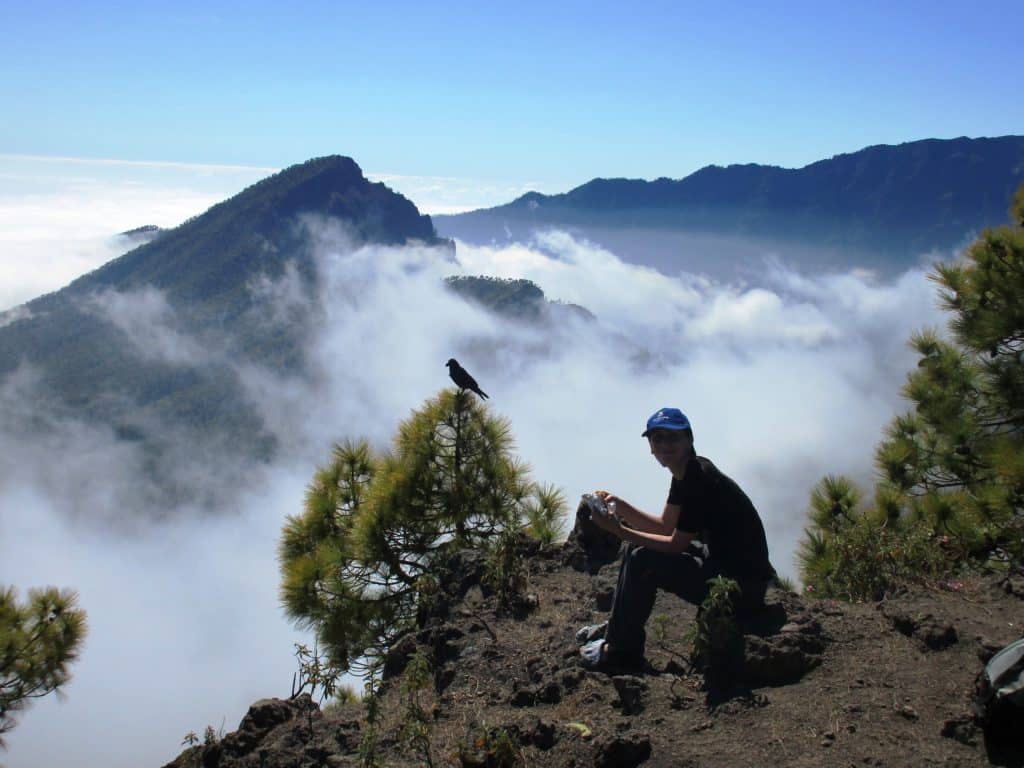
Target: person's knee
x=641 y=562
x=690 y=579
x=751 y=598
x=636 y=554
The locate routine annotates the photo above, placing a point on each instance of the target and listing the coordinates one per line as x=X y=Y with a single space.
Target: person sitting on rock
x=661 y=553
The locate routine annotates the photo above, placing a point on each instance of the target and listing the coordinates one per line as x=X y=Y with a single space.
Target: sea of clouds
x=784 y=380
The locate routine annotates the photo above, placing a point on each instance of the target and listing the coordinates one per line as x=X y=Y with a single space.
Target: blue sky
x=543 y=94
x=121 y=114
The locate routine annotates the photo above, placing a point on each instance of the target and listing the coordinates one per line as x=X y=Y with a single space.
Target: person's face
x=670 y=447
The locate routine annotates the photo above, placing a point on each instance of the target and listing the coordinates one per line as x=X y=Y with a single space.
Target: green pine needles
x=356 y=565
x=39 y=639
x=854 y=552
x=951 y=493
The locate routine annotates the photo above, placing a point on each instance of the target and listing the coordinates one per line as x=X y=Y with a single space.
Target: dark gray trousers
x=642 y=573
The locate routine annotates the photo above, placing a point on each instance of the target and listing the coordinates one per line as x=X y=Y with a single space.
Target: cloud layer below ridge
x=784 y=382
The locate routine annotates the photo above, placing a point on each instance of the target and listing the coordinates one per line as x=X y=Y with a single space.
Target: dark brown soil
x=825 y=683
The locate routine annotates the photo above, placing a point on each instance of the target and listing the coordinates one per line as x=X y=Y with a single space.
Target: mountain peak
x=247 y=234
x=318 y=175
x=203 y=272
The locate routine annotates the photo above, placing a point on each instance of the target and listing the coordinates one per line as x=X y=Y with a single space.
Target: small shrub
x=715 y=639
x=856 y=553
x=494 y=747
x=869 y=563
x=367 y=751
x=503 y=572
x=416 y=722
x=346 y=695
x=785 y=583
x=316 y=672
x=659 y=628
x=545 y=514
x=502 y=749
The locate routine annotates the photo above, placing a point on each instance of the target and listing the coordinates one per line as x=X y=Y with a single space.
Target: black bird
x=462 y=378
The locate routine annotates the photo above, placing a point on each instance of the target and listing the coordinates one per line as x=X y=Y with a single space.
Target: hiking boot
x=597 y=655
x=591 y=632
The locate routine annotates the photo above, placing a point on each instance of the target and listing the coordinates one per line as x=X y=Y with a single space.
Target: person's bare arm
x=673 y=543
x=662 y=524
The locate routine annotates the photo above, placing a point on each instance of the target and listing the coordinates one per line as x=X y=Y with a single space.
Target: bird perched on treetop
x=462 y=378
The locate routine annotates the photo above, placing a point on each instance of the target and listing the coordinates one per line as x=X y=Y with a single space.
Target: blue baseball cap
x=667 y=418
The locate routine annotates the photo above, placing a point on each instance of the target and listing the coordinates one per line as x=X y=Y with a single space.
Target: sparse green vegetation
x=368 y=744
x=517 y=299
x=522 y=299
x=951 y=493
x=315 y=672
x=493 y=746
x=416 y=721
x=715 y=639
x=545 y=514
x=859 y=553
x=659 y=629
x=346 y=694
x=504 y=572
x=786 y=583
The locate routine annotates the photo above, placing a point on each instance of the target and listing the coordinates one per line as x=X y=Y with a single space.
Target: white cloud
x=784 y=382
x=760 y=314
x=629 y=298
x=151 y=326
x=14 y=315
x=30 y=268
x=184 y=628
x=59 y=216
x=452 y=194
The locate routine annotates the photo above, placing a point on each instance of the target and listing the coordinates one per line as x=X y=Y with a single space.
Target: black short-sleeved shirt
x=716 y=510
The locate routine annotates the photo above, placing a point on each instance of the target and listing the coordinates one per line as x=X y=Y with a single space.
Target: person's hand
x=608 y=523
x=608 y=498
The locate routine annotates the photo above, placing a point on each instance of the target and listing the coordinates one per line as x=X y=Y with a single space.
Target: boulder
x=589 y=547
x=624 y=751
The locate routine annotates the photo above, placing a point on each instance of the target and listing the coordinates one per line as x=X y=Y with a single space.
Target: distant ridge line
x=902 y=200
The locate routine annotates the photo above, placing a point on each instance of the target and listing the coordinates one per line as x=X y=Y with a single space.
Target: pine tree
x=356 y=565
x=952 y=469
x=958 y=458
x=38 y=641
